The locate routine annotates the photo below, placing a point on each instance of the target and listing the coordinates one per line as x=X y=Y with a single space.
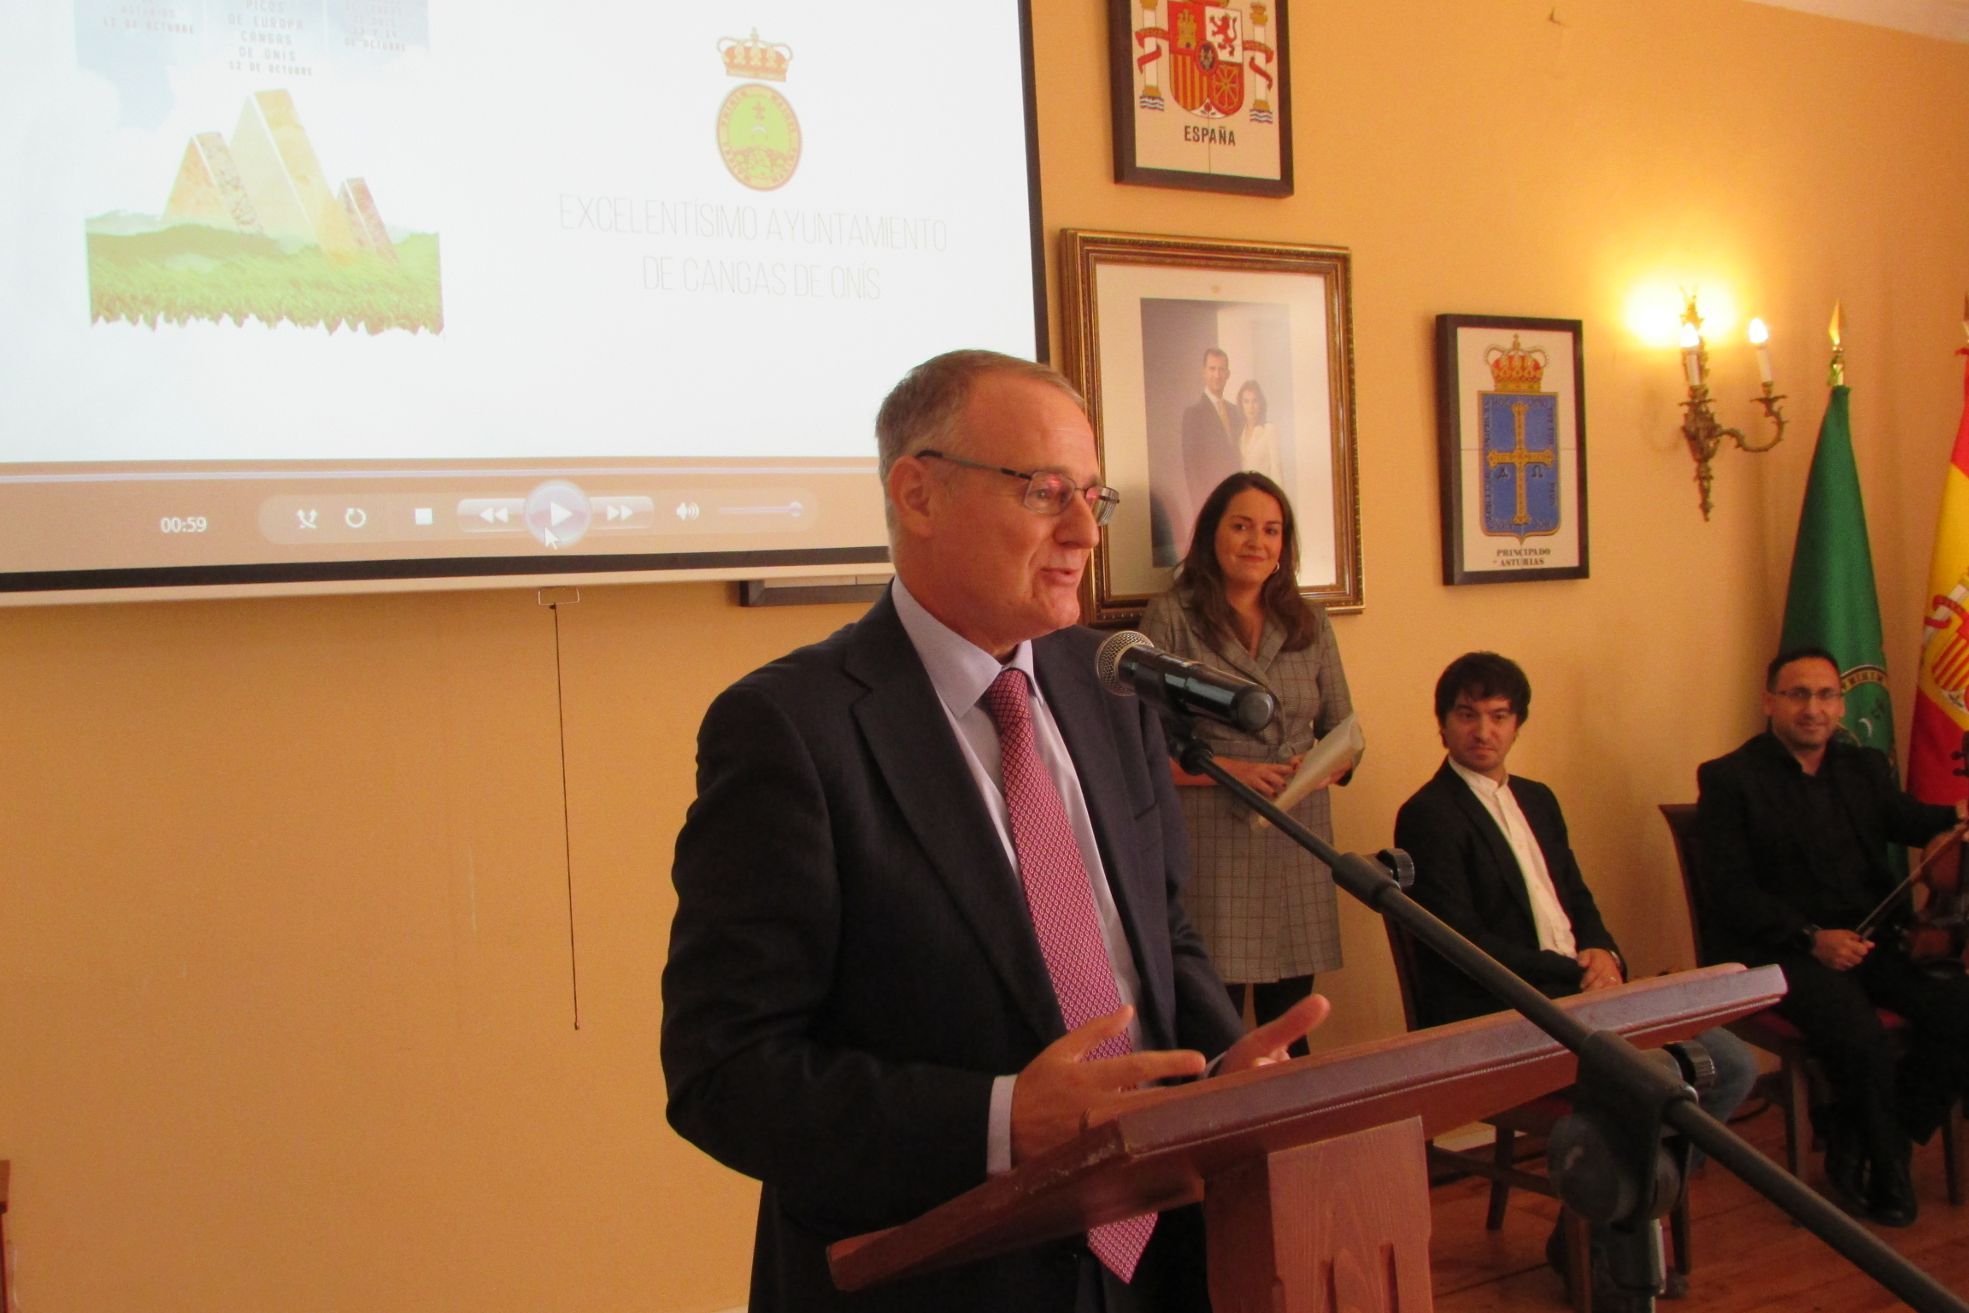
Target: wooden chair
x=1770 y=1031
x=1534 y=1121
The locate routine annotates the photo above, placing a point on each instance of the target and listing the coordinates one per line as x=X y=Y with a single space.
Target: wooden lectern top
x=1158 y=1154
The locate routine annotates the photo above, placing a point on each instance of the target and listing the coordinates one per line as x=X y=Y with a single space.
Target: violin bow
x=1866 y=928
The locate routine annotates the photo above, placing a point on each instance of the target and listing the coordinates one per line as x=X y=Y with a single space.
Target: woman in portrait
x=1265 y=907
x=1258 y=442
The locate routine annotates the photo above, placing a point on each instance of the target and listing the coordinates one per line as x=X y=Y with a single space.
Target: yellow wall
x=287 y=971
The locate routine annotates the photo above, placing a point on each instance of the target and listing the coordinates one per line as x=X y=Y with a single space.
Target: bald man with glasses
x=927 y=898
x=1794 y=828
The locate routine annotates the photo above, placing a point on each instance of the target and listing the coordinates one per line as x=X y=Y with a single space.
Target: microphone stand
x=1626 y=1096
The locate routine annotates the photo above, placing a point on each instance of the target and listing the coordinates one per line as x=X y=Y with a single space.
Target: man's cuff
x=998 y=1131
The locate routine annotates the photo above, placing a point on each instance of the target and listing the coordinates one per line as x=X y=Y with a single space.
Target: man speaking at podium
x=927 y=913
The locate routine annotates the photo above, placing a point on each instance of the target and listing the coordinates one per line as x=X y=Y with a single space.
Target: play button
x=557 y=513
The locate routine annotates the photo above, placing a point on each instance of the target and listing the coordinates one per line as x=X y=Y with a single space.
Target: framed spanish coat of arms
x=1511 y=433
x=1200 y=94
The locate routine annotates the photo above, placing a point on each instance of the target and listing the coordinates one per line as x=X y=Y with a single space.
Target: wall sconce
x=1699 y=427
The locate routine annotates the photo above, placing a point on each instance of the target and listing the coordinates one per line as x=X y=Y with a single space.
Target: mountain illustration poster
x=256 y=225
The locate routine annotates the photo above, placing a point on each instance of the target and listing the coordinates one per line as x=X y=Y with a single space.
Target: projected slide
x=420 y=253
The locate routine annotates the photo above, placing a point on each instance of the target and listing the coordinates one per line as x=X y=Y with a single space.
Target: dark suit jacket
x=1762 y=879
x=1466 y=874
x=852 y=962
x=1210 y=453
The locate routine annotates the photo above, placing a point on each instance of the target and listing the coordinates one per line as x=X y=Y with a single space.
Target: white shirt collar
x=959 y=669
x=1483 y=785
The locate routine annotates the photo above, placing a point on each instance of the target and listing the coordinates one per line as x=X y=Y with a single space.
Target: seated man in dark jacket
x=1492 y=858
x=1794 y=828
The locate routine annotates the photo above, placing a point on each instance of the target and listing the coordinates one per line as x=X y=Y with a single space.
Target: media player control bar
x=555 y=514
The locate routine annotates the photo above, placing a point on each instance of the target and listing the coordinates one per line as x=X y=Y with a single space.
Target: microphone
x=1128 y=663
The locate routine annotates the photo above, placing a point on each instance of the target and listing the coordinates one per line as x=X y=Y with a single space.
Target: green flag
x=1831 y=602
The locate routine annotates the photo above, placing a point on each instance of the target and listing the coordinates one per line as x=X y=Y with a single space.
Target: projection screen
x=358 y=293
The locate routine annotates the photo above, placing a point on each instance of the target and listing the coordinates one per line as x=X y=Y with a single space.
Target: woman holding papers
x=1265 y=906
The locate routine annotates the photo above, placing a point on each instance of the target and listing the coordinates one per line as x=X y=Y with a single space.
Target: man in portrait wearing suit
x=1210 y=428
x=1493 y=860
x=927 y=895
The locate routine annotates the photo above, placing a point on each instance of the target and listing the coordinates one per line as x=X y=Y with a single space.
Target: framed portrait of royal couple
x=1201 y=357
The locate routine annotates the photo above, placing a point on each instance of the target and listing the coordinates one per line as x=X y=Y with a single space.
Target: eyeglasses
x=1047 y=491
x=1799 y=697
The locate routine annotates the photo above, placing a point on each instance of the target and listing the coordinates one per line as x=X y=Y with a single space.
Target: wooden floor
x=1748 y=1255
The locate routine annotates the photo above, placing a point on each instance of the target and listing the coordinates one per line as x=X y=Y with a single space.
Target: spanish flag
x=1941 y=699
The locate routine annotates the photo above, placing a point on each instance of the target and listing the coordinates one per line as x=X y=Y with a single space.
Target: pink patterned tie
x=1061 y=904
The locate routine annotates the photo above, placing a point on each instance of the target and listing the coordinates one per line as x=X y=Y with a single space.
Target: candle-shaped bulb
x=1692 y=354
x=1760 y=337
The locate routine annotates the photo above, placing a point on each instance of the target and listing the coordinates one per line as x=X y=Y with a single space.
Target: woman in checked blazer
x=1265 y=907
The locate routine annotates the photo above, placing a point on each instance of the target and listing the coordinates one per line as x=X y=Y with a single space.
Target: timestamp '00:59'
x=183 y=524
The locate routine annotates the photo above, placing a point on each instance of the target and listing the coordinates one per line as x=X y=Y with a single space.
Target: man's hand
x=1057 y=1094
x=1267 y=1044
x=1842 y=950
x=1601 y=969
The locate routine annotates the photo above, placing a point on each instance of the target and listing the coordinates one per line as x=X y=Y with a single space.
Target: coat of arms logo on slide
x=758 y=133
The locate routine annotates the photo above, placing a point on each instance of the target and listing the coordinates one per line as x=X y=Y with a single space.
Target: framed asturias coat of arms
x=1511 y=426
x=1200 y=95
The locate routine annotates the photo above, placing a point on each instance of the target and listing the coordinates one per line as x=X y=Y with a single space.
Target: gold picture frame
x=1140 y=313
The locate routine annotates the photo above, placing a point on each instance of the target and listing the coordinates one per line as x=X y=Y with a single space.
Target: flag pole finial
x=1836 y=377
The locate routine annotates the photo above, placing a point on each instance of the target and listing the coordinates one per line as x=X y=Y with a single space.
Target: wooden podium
x=1312 y=1172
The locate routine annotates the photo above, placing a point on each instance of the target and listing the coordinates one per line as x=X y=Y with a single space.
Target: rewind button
x=492 y=514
